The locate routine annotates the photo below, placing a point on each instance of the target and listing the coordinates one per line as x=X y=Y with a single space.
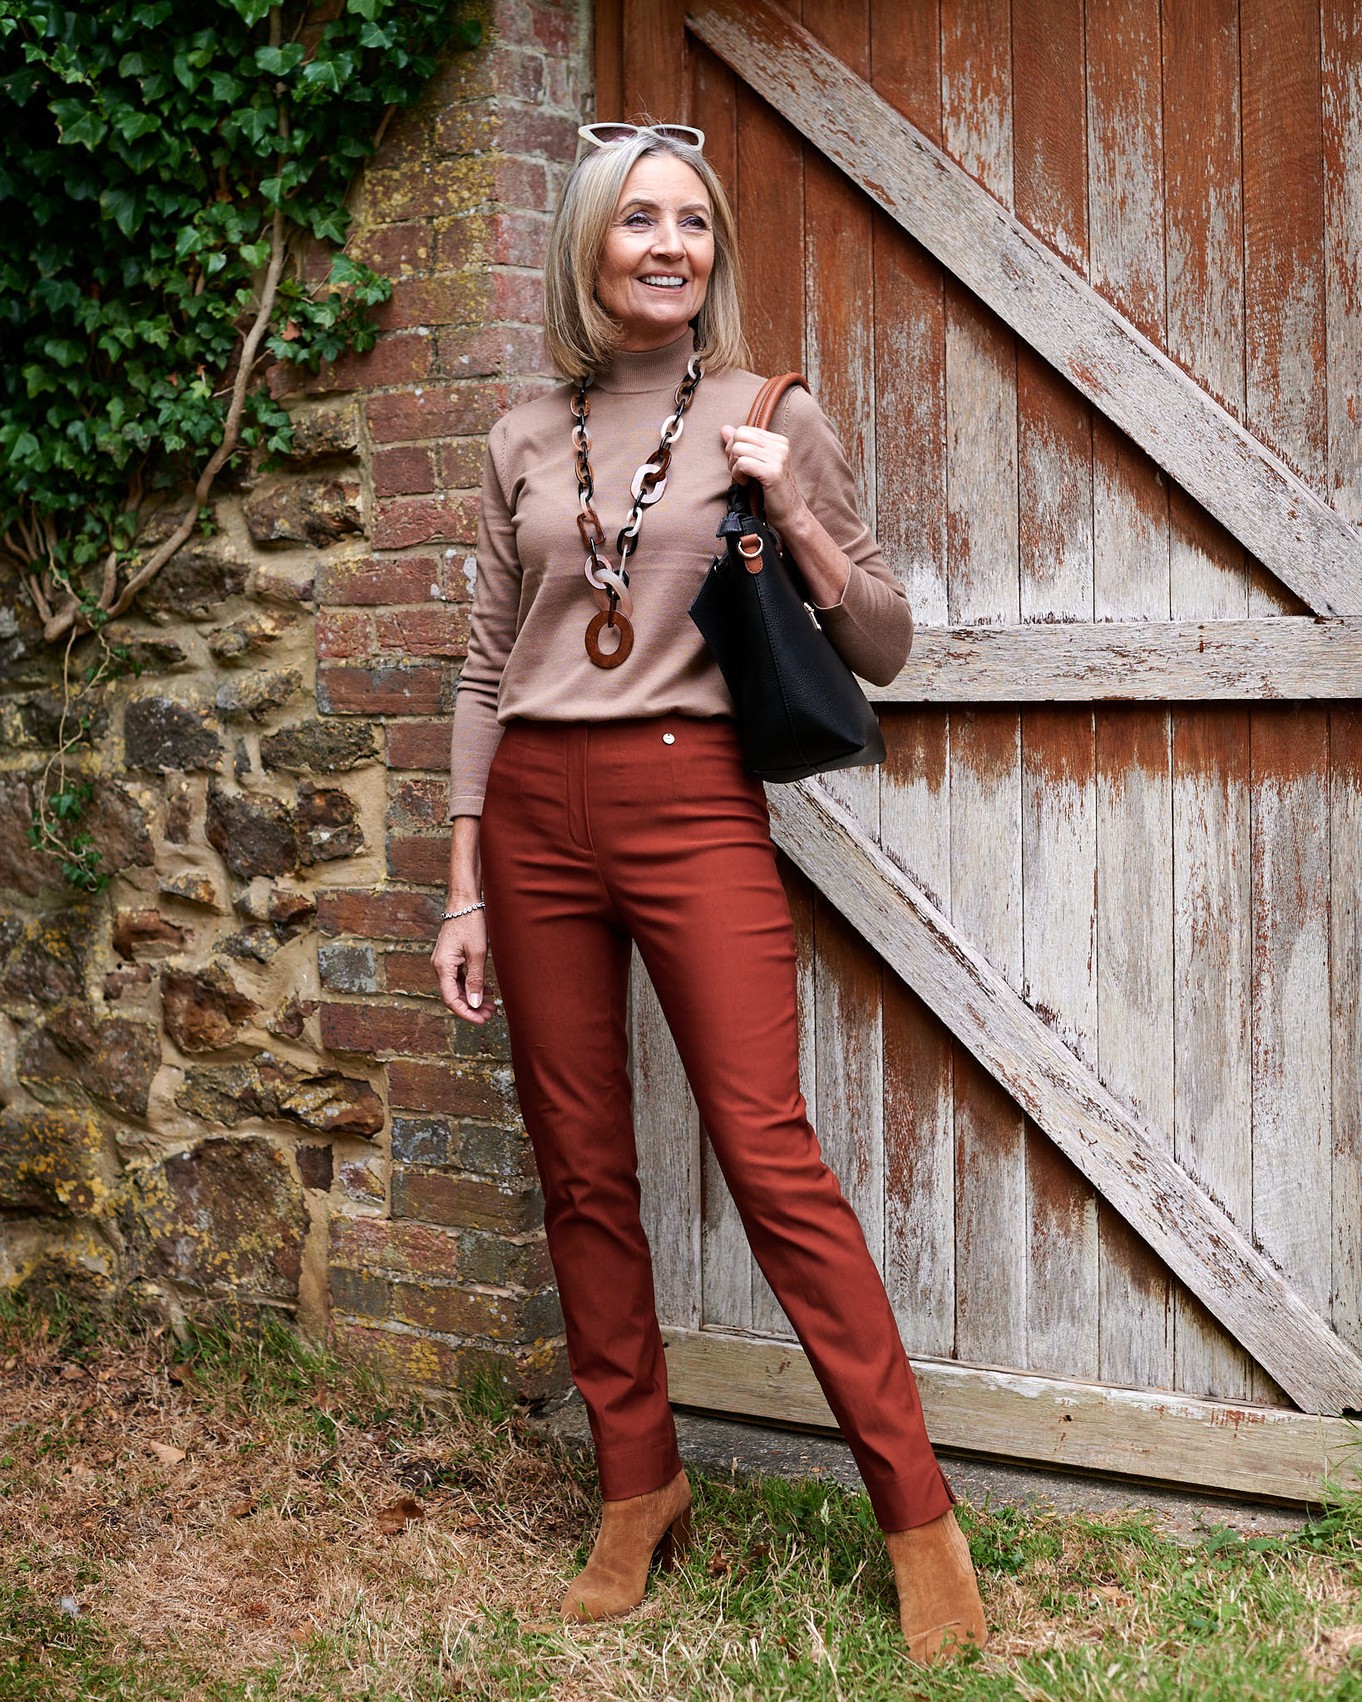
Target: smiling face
x=658 y=254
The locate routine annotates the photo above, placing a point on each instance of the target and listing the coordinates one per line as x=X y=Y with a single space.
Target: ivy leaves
x=151 y=146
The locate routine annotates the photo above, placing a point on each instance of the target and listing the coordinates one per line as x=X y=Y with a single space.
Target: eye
x=637 y=220
x=697 y=222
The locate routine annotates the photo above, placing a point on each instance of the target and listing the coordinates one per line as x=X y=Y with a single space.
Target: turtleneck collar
x=635 y=372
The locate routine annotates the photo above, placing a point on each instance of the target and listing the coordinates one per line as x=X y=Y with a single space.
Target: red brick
x=505 y=70
x=456 y=298
x=403 y=471
x=355 y=1027
x=458 y=1090
x=359 y=1292
x=459 y=1312
x=396 y=250
x=523 y=183
x=424 y=862
x=553 y=30
x=406 y=141
x=515 y=295
x=439 y=630
x=379 y=915
x=562 y=85
x=400 y=579
x=377 y=1243
x=461 y=461
x=404 y=357
x=487 y=350
x=432 y=1197
x=411 y=972
x=403 y=1356
x=343 y=632
x=435 y=189
x=393 y=690
x=418 y=744
x=403 y=520
x=532 y=130
x=417 y=804
x=499 y=1262
x=520 y=237
x=511 y=236
x=448 y=410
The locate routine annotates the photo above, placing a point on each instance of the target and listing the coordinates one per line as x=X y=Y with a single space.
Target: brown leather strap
x=769 y=397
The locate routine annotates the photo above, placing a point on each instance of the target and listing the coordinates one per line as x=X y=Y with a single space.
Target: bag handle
x=760 y=415
x=770 y=396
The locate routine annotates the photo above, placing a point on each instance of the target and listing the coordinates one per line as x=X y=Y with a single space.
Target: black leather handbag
x=799 y=708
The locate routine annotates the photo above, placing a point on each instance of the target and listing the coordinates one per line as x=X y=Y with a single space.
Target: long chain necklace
x=610 y=585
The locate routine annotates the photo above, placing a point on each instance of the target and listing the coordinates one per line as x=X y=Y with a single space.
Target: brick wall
x=449 y=1273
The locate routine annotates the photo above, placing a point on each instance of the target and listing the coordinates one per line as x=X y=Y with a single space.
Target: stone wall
x=229 y=1075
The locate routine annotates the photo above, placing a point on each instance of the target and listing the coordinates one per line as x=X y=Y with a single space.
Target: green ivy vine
x=168 y=165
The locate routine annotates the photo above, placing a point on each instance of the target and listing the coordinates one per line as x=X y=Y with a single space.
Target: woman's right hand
x=460 y=959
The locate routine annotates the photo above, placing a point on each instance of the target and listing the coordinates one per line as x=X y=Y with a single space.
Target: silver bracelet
x=468 y=909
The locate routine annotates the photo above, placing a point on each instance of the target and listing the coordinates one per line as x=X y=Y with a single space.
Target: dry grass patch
x=234 y=1518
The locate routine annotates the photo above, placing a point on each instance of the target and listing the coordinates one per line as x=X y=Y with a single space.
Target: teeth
x=669 y=283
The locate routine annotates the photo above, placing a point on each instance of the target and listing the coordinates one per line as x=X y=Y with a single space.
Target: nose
x=667 y=237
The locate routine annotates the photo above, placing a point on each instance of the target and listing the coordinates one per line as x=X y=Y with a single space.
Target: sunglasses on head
x=603 y=135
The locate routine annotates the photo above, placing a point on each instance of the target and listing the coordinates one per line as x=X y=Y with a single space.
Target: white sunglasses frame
x=585 y=132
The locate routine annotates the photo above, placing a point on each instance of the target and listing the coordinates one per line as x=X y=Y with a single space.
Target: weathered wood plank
x=985 y=747
x=667 y=1129
x=653 y=51
x=1208 y=574
x=1204 y=233
x=1246 y=485
x=1240 y=661
x=1099 y=1135
x=1345 y=974
x=1292 y=1014
x=1213 y=949
x=1341 y=27
x=1058 y=804
x=1131 y=582
x=1059 y=897
x=1250 y=1450
x=1135 y=1018
x=1284 y=351
x=1284 y=231
x=992 y=1217
x=769 y=205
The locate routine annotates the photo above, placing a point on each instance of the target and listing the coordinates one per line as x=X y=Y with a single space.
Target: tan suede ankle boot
x=939 y=1606
x=613 y=1579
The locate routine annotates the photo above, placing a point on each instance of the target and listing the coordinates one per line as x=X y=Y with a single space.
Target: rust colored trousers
x=594 y=834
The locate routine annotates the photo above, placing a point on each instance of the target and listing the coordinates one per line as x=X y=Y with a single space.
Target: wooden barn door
x=1080 y=285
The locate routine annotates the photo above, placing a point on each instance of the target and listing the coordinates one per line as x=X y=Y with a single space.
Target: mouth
x=663 y=281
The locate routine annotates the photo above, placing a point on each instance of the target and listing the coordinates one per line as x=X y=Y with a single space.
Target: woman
x=597 y=797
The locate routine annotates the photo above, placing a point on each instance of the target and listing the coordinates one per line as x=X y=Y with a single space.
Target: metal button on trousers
x=594 y=834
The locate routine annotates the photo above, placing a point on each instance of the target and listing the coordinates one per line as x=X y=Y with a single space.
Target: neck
x=638 y=370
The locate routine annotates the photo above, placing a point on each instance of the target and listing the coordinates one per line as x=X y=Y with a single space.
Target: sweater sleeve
x=476 y=732
x=871 y=625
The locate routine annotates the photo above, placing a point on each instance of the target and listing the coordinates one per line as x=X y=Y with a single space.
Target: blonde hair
x=580 y=335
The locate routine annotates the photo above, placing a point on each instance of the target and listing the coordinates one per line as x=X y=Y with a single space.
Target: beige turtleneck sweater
x=531 y=602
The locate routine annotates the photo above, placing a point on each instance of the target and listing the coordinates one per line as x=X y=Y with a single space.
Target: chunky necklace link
x=610 y=585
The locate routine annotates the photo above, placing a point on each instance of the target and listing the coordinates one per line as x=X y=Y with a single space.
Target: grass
x=234 y=1518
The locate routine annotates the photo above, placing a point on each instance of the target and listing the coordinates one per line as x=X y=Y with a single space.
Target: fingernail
x=475 y=999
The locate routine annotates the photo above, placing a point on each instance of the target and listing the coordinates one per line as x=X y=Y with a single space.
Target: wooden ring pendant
x=620 y=623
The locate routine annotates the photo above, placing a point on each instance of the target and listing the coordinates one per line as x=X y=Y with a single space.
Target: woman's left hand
x=765 y=457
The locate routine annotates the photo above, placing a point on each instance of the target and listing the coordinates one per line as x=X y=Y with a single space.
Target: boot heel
x=676 y=1541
